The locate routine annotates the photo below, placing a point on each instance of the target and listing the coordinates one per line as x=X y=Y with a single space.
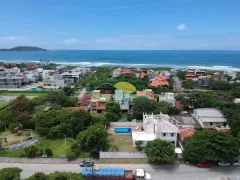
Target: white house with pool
x=155 y=127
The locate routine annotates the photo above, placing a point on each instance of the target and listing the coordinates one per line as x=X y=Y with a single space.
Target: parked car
x=224 y=164
x=204 y=165
x=236 y=163
x=86 y=163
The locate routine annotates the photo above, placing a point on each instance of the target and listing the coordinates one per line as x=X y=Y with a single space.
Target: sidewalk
x=40 y=160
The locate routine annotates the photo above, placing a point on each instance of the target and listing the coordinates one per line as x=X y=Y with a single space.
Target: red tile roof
x=142 y=74
x=188 y=132
x=78 y=108
x=117 y=70
x=160 y=77
x=85 y=102
x=127 y=71
x=157 y=83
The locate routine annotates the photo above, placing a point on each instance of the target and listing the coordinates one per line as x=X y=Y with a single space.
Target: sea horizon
x=205 y=59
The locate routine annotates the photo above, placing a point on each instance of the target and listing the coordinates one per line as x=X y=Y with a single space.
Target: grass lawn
x=57 y=146
x=18 y=94
x=8 y=153
x=123 y=142
x=2 y=103
x=126 y=87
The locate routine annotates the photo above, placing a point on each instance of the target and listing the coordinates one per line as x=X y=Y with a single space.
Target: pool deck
x=134 y=129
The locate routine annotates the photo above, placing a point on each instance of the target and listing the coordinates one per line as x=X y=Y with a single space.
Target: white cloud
x=182 y=27
x=104 y=40
x=12 y=38
x=73 y=41
x=114 y=8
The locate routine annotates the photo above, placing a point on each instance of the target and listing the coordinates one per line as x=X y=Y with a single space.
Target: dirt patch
x=123 y=142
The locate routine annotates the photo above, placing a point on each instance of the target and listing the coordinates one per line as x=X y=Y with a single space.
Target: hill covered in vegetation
x=24 y=48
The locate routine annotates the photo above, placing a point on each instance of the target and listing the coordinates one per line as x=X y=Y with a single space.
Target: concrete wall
x=124 y=124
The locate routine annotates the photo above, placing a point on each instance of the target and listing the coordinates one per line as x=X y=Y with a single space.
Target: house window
x=172 y=134
x=211 y=123
x=164 y=134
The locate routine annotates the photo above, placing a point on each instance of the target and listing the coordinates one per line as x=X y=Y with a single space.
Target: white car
x=236 y=163
x=224 y=164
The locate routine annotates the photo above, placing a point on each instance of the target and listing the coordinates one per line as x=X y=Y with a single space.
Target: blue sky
x=121 y=24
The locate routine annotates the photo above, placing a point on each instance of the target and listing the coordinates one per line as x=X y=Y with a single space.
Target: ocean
x=132 y=58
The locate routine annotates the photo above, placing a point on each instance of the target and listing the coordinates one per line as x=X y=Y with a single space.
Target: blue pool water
x=123 y=130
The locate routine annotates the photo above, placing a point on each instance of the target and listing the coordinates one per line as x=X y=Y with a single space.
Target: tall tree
x=95 y=138
x=160 y=151
x=188 y=84
x=210 y=146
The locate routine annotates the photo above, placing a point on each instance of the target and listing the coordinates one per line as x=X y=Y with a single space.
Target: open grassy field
x=18 y=94
x=123 y=142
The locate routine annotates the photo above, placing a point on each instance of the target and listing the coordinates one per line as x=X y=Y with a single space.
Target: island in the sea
x=24 y=48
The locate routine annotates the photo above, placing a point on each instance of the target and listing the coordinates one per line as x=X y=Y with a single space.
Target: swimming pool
x=123 y=130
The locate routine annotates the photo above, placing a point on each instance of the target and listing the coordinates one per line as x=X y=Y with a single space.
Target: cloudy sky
x=121 y=24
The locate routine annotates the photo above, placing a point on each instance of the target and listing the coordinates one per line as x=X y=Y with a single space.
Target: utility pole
x=92 y=169
x=65 y=142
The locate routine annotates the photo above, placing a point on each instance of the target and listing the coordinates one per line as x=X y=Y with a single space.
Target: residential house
x=158 y=80
x=54 y=82
x=47 y=73
x=116 y=72
x=71 y=77
x=99 y=100
x=185 y=121
x=140 y=74
x=199 y=72
x=31 y=65
x=167 y=97
x=147 y=93
x=156 y=127
x=203 y=80
x=165 y=73
x=151 y=74
x=13 y=71
x=216 y=77
x=185 y=132
x=127 y=71
x=237 y=100
x=210 y=117
x=123 y=99
x=32 y=76
x=190 y=75
x=230 y=73
x=173 y=72
x=10 y=81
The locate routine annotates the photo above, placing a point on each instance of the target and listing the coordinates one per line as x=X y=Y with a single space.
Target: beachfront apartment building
x=12 y=81
x=155 y=127
x=54 y=82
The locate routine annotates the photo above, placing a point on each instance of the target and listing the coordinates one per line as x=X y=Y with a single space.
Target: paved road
x=177 y=85
x=163 y=172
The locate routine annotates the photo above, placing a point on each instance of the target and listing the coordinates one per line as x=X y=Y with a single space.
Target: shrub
x=70 y=154
x=49 y=152
x=13 y=173
x=31 y=151
x=38 y=176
